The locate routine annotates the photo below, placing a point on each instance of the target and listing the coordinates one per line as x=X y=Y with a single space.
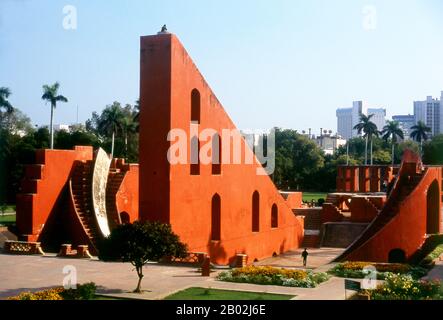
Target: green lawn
x=7 y=219
x=8 y=209
x=309 y=196
x=214 y=294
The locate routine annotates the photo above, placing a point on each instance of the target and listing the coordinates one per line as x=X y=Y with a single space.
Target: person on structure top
x=304 y=255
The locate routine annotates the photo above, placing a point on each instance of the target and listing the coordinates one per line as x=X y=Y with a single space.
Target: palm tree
x=50 y=94
x=369 y=129
x=392 y=130
x=4 y=103
x=111 y=121
x=420 y=133
x=129 y=127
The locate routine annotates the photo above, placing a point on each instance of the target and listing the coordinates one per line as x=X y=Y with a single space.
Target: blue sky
x=271 y=63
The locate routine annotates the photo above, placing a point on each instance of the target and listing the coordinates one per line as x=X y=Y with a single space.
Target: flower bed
x=404 y=287
x=274 y=276
x=83 y=292
x=356 y=270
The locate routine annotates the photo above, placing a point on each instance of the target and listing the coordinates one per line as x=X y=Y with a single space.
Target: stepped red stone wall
x=169 y=193
x=45 y=210
x=42 y=188
x=417 y=215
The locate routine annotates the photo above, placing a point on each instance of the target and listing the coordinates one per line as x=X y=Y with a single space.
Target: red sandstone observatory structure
x=59 y=204
x=222 y=209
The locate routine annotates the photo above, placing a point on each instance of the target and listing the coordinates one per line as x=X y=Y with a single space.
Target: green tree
x=382 y=157
x=404 y=145
x=420 y=133
x=139 y=243
x=369 y=130
x=16 y=122
x=392 y=131
x=111 y=122
x=4 y=103
x=433 y=151
x=296 y=158
x=50 y=94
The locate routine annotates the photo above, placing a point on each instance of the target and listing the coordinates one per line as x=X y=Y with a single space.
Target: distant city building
x=62 y=127
x=330 y=143
x=406 y=122
x=347 y=118
x=379 y=117
x=430 y=112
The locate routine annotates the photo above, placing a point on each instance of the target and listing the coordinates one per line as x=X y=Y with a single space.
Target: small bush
x=274 y=276
x=83 y=292
x=354 y=269
x=404 y=287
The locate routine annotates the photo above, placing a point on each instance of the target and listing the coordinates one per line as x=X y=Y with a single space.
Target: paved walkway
x=317 y=258
x=436 y=272
x=32 y=273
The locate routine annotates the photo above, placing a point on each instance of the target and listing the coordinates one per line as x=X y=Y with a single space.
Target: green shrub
x=404 y=287
x=355 y=270
x=274 y=276
x=83 y=292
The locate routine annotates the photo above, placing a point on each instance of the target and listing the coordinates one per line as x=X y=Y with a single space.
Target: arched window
x=216 y=218
x=255 y=212
x=216 y=154
x=397 y=256
x=274 y=216
x=195 y=106
x=124 y=217
x=433 y=209
x=195 y=156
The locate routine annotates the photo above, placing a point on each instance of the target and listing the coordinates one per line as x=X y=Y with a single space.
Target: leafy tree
x=139 y=243
x=382 y=157
x=420 y=133
x=296 y=158
x=392 y=131
x=369 y=130
x=4 y=103
x=50 y=94
x=121 y=124
x=16 y=122
x=433 y=151
x=78 y=137
x=111 y=122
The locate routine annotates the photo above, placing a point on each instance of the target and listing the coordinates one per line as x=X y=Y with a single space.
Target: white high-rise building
x=406 y=122
x=347 y=118
x=430 y=112
x=379 y=117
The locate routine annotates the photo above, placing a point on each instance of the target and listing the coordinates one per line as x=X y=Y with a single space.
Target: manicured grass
x=8 y=209
x=7 y=219
x=309 y=196
x=215 y=294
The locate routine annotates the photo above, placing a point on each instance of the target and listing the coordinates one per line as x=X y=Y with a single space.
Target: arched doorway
x=274 y=216
x=397 y=256
x=433 y=209
x=255 y=212
x=216 y=218
x=124 y=217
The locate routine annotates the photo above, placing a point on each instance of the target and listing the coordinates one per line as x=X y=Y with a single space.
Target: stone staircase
x=333 y=199
x=115 y=179
x=313 y=223
x=81 y=188
x=402 y=189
